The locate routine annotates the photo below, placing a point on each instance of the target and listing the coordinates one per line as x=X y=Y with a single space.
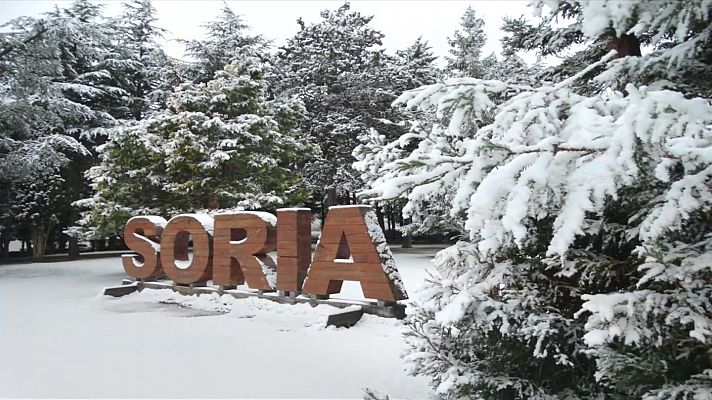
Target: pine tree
x=139 y=65
x=587 y=202
x=227 y=41
x=220 y=144
x=55 y=91
x=466 y=47
x=414 y=67
x=410 y=68
x=335 y=68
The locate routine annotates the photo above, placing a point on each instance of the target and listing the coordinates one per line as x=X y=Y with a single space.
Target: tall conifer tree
x=586 y=200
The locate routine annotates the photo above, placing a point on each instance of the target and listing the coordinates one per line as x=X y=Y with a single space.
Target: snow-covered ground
x=60 y=338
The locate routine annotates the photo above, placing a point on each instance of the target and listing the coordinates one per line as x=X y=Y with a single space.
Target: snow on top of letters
x=159 y=222
x=206 y=220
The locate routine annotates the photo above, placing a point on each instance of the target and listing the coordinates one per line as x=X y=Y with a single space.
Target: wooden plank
x=354 y=235
x=123 y=290
x=292 y=266
x=362 y=247
x=346 y=318
x=321 y=287
x=227 y=272
x=294 y=233
x=260 y=238
x=350 y=275
x=291 y=273
x=372 y=257
x=339 y=268
x=326 y=252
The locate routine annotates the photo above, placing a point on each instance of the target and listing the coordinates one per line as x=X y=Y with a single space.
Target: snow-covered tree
x=220 y=144
x=227 y=40
x=35 y=195
x=466 y=44
x=414 y=66
x=138 y=64
x=587 y=273
x=509 y=68
x=54 y=90
x=335 y=68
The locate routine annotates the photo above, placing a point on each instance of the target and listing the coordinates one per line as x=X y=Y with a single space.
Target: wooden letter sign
x=348 y=251
x=231 y=249
x=174 y=242
x=293 y=248
x=242 y=241
x=142 y=235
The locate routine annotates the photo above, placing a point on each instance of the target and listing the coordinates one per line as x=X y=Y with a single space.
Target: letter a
x=354 y=231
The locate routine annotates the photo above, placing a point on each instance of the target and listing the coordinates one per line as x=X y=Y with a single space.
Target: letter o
x=174 y=245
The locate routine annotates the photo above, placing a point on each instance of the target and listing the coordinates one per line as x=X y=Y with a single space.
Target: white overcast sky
x=401 y=21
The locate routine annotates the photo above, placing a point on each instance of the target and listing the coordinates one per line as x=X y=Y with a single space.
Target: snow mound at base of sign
x=251 y=307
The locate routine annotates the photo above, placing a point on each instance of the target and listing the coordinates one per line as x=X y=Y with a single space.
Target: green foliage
x=220 y=144
x=227 y=40
x=54 y=89
x=344 y=82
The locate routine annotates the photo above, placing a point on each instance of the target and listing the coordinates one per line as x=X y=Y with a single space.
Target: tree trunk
x=379 y=217
x=626 y=45
x=73 y=248
x=328 y=201
x=39 y=243
x=407 y=241
x=212 y=203
x=346 y=199
x=4 y=246
x=331 y=199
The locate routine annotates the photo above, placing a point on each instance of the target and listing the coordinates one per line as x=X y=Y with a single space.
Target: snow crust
x=159 y=222
x=184 y=264
x=269 y=218
x=269 y=270
x=156 y=246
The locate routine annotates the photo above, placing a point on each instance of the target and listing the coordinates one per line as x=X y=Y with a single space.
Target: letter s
x=142 y=235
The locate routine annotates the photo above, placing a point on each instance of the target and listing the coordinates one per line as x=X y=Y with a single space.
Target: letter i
x=293 y=248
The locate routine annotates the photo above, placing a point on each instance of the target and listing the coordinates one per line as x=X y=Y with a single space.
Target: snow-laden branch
x=550 y=152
